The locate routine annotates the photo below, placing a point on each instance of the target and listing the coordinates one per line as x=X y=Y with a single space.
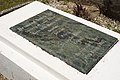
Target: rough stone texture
x=74 y=43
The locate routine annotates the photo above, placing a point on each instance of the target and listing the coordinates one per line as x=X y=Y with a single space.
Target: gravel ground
x=3 y=77
x=93 y=13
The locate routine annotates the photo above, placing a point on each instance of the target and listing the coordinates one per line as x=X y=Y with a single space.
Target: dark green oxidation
x=74 y=43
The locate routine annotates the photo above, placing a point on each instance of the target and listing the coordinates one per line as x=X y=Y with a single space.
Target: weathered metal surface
x=74 y=43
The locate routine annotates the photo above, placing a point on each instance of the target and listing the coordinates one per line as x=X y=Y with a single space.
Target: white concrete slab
x=39 y=63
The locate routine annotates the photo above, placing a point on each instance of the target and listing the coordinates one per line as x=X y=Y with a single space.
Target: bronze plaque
x=76 y=44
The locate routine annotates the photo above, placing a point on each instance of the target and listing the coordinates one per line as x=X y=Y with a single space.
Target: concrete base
x=21 y=60
x=13 y=71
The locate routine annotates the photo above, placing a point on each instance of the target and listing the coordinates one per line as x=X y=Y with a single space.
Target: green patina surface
x=74 y=43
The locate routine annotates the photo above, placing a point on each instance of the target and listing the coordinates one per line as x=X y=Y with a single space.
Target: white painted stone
x=20 y=54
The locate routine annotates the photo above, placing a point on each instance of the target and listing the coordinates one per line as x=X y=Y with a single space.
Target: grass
x=5 y=4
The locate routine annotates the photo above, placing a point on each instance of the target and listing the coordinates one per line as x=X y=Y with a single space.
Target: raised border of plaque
x=76 y=44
